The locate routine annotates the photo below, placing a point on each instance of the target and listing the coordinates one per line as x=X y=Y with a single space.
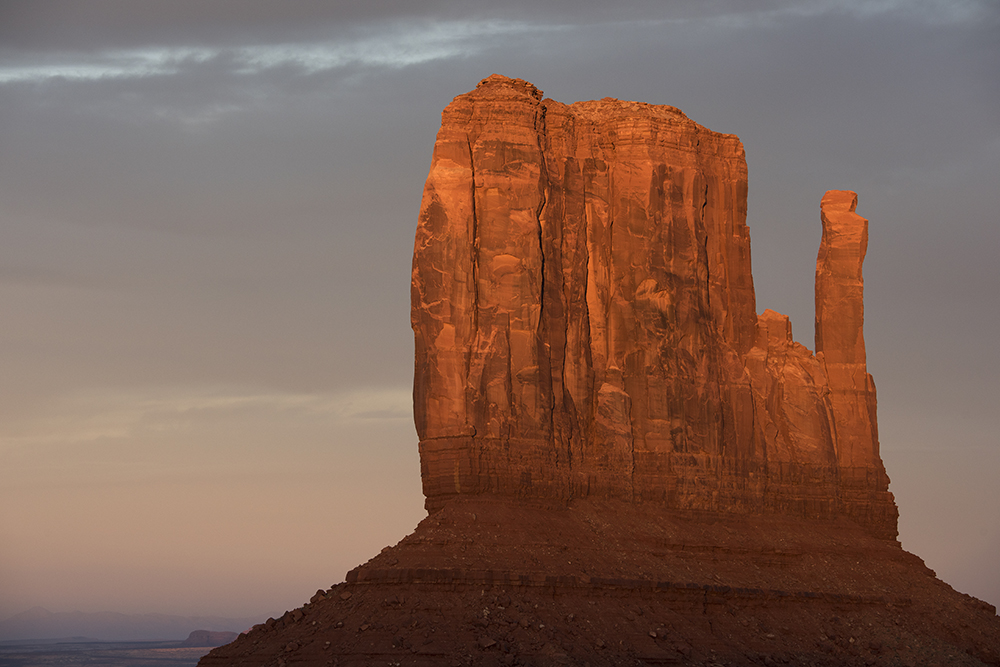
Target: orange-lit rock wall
x=585 y=323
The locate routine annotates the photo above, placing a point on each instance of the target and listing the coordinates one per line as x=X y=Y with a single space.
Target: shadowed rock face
x=585 y=321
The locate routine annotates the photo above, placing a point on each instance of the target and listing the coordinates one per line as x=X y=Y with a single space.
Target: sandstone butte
x=623 y=463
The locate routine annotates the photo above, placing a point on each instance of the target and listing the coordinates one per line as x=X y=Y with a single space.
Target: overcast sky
x=207 y=212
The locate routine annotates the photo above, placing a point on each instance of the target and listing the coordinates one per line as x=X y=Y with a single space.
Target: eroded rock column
x=840 y=318
x=840 y=347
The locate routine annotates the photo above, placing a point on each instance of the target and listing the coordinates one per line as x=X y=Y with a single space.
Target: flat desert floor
x=70 y=653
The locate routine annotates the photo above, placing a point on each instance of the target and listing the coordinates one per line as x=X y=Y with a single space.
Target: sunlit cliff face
x=585 y=321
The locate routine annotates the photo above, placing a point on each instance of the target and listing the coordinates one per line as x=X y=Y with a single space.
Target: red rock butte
x=623 y=463
x=586 y=326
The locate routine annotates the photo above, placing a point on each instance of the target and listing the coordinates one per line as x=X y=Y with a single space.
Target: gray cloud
x=391 y=45
x=81 y=25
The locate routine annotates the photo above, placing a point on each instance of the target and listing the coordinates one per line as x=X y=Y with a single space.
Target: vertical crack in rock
x=474 y=259
x=543 y=349
x=613 y=342
x=474 y=235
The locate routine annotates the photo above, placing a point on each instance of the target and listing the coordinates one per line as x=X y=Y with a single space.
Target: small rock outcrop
x=585 y=321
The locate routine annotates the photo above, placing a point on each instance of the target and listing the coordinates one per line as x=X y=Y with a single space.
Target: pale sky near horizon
x=206 y=222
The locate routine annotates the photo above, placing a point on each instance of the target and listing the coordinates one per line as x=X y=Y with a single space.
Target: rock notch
x=586 y=326
x=624 y=464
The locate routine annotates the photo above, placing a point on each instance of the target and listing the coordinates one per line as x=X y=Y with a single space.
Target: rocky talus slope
x=624 y=464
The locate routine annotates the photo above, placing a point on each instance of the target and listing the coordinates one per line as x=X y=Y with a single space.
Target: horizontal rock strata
x=501 y=578
x=585 y=321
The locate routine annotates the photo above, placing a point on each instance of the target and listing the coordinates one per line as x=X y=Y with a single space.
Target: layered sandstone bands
x=585 y=321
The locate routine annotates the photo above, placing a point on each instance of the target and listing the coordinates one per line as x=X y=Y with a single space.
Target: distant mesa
x=623 y=463
x=41 y=624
